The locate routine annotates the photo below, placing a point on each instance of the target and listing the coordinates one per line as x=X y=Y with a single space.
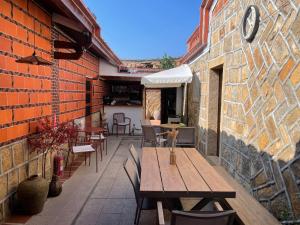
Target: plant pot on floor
x=32 y=194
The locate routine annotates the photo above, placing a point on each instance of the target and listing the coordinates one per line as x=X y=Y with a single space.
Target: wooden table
x=152 y=122
x=192 y=176
x=170 y=126
x=94 y=129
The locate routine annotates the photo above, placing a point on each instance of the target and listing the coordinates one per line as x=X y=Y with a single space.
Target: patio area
x=101 y=198
x=229 y=107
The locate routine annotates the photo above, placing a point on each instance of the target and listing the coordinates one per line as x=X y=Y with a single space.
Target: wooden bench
x=249 y=210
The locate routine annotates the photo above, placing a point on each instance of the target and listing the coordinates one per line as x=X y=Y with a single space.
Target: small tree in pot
x=32 y=193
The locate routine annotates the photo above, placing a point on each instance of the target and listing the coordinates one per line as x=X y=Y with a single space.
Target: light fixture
x=33 y=59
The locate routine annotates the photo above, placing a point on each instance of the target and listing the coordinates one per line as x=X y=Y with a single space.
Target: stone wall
x=260 y=110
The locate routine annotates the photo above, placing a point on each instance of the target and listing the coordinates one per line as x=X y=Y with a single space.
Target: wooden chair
x=150 y=136
x=120 y=120
x=196 y=217
x=186 y=137
x=136 y=158
x=81 y=143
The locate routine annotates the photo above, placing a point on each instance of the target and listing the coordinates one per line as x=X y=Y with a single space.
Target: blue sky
x=143 y=29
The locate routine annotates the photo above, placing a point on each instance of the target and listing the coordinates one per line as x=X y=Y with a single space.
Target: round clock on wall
x=250 y=23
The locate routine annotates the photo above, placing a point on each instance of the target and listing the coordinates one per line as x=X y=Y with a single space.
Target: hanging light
x=33 y=59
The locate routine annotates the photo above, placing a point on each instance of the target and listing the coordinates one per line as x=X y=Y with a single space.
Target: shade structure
x=174 y=77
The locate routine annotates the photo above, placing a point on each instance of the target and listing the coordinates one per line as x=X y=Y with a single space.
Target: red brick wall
x=29 y=92
x=72 y=81
x=25 y=90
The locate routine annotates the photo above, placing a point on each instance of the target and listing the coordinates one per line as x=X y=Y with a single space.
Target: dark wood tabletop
x=94 y=129
x=192 y=176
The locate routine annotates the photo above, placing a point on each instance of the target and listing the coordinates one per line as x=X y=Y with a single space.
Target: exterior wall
x=260 y=116
x=25 y=91
x=72 y=84
x=31 y=92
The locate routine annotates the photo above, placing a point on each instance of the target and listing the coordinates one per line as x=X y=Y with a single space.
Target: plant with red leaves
x=49 y=138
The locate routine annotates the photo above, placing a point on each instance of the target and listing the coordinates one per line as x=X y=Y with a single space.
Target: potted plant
x=32 y=193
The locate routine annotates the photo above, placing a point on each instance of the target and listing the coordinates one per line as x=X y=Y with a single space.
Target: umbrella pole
x=184 y=101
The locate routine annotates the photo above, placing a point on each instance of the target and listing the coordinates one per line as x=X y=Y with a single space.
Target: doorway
x=88 y=96
x=214 y=110
x=168 y=103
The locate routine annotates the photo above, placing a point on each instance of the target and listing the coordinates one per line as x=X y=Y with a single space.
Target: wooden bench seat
x=248 y=209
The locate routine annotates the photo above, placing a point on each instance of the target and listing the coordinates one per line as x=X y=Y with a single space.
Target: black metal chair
x=141 y=203
x=150 y=136
x=186 y=137
x=136 y=158
x=120 y=120
x=197 y=217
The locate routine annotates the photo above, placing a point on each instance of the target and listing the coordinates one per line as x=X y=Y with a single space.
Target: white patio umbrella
x=174 y=77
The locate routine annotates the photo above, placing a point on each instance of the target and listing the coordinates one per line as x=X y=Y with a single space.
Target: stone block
x=277 y=175
x=227 y=44
x=280 y=112
x=3 y=186
x=12 y=181
x=33 y=167
x=6 y=158
x=273 y=74
x=263 y=141
x=266 y=192
x=260 y=179
x=249 y=59
x=288 y=22
x=292 y=117
x=266 y=31
x=271 y=127
x=266 y=55
x=266 y=89
x=280 y=207
x=279 y=50
x=254 y=92
x=275 y=147
x=276 y=28
x=257 y=58
x=286 y=156
x=23 y=173
x=269 y=106
x=295 y=136
x=296 y=26
x=295 y=168
x=293 y=46
x=293 y=191
x=295 y=76
x=278 y=92
x=286 y=69
x=18 y=154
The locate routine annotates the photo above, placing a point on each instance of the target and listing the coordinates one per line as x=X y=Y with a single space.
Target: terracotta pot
x=55 y=186
x=32 y=194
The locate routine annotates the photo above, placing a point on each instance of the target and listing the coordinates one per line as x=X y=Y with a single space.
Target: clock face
x=250 y=23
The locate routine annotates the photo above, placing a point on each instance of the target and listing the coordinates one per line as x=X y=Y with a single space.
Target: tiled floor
x=64 y=209
x=112 y=200
x=91 y=198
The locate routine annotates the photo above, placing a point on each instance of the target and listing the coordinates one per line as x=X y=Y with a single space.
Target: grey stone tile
x=113 y=206
x=109 y=219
